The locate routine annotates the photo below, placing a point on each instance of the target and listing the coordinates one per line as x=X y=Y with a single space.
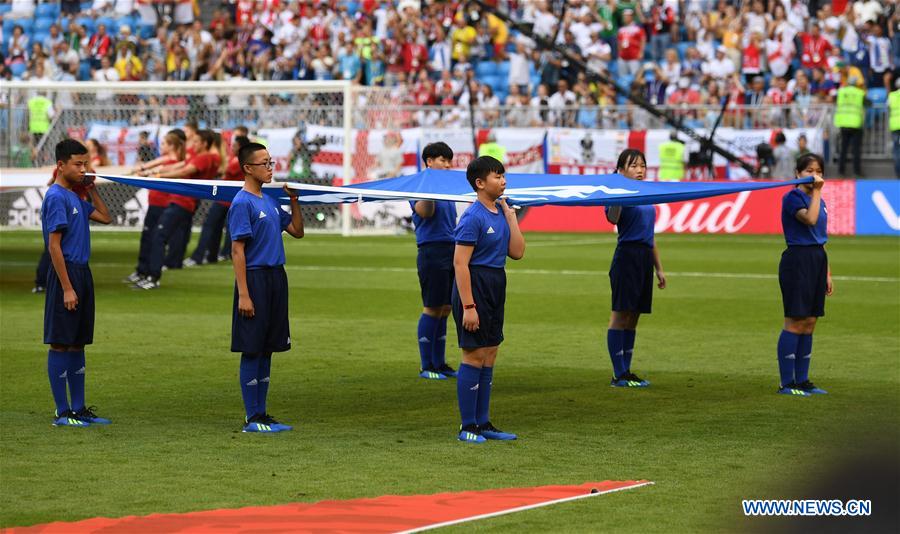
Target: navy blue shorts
x=435 y=265
x=269 y=330
x=489 y=292
x=64 y=327
x=803 y=276
x=631 y=278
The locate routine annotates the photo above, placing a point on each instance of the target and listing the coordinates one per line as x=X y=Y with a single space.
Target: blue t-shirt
x=439 y=227
x=64 y=211
x=258 y=222
x=796 y=232
x=488 y=232
x=636 y=224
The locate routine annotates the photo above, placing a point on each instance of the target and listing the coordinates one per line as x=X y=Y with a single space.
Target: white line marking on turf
x=519 y=509
x=547 y=272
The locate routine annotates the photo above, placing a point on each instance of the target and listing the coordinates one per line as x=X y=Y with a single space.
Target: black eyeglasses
x=266 y=164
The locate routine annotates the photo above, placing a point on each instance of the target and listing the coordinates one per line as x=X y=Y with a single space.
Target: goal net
x=325 y=132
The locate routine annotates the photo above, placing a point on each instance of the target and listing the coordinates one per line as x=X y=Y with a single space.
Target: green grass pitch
x=709 y=432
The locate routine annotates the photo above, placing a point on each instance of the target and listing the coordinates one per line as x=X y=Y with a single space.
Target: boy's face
x=73 y=170
x=440 y=163
x=260 y=166
x=493 y=184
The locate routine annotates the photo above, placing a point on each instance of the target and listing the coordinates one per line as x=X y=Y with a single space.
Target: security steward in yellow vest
x=40 y=112
x=671 y=160
x=894 y=105
x=491 y=148
x=849 y=116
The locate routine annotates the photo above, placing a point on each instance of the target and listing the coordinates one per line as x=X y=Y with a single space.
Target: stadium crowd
x=794 y=53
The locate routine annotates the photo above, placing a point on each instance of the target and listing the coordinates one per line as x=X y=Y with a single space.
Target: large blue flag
x=430 y=184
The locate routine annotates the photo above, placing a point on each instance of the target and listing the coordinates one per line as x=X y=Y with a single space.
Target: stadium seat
x=47 y=10
x=7 y=28
x=39 y=36
x=503 y=69
x=624 y=80
x=352 y=7
x=877 y=95
x=5 y=8
x=485 y=68
x=535 y=81
x=87 y=22
x=126 y=21
x=43 y=24
x=86 y=6
x=18 y=69
x=613 y=67
x=26 y=24
x=111 y=27
x=146 y=31
x=683 y=48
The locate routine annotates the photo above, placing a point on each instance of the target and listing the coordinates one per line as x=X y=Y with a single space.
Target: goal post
x=312 y=129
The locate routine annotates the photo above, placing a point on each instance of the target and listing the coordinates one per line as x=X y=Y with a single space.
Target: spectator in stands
x=106 y=73
x=53 y=40
x=815 y=49
x=99 y=45
x=462 y=36
x=720 y=68
x=659 y=27
x=631 y=43
x=22 y=9
x=560 y=100
x=880 y=57
x=784 y=159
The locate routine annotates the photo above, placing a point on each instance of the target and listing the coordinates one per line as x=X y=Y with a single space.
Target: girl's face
x=167 y=147
x=812 y=169
x=635 y=168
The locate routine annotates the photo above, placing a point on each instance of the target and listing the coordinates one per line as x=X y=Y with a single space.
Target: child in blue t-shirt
x=69 y=304
x=486 y=234
x=631 y=273
x=435 y=221
x=803 y=275
x=260 y=324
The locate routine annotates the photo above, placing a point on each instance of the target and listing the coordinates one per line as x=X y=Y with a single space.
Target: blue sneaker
x=470 y=434
x=68 y=418
x=447 y=371
x=431 y=374
x=792 y=389
x=489 y=431
x=269 y=420
x=87 y=415
x=257 y=425
x=629 y=380
x=811 y=388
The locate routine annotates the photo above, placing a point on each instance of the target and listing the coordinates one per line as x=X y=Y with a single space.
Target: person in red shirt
x=173 y=152
x=204 y=165
x=99 y=45
x=414 y=55
x=632 y=39
x=815 y=48
x=207 y=250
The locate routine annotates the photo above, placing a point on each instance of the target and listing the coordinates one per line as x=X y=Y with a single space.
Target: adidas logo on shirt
x=490 y=230
x=74 y=211
x=262 y=215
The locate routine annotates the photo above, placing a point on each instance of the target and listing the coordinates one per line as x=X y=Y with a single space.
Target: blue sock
x=804 y=354
x=262 y=386
x=76 y=379
x=438 y=356
x=483 y=406
x=426 y=339
x=57 y=371
x=787 y=354
x=615 y=342
x=249 y=376
x=467 y=384
x=627 y=348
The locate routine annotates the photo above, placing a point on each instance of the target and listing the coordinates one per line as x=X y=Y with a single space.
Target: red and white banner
x=121 y=142
x=749 y=212
x=578 y=151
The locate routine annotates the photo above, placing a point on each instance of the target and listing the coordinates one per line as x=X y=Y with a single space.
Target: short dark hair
x=241 y=140
x=208 y=137
x=247 y=151
x=629 y=156
x=804 y=161
x=437 y=150
x=192 y=125
x=780 y=139
x=242 y=128
x=67 y=148
x=481 y=167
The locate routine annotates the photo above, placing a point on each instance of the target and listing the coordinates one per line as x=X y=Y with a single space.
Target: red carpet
x=390 y=513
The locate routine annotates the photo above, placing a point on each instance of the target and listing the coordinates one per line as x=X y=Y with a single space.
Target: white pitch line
x=519 y=509
x=539 y=272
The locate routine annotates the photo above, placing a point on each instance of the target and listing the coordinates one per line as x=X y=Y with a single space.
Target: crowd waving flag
x=431 y=184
